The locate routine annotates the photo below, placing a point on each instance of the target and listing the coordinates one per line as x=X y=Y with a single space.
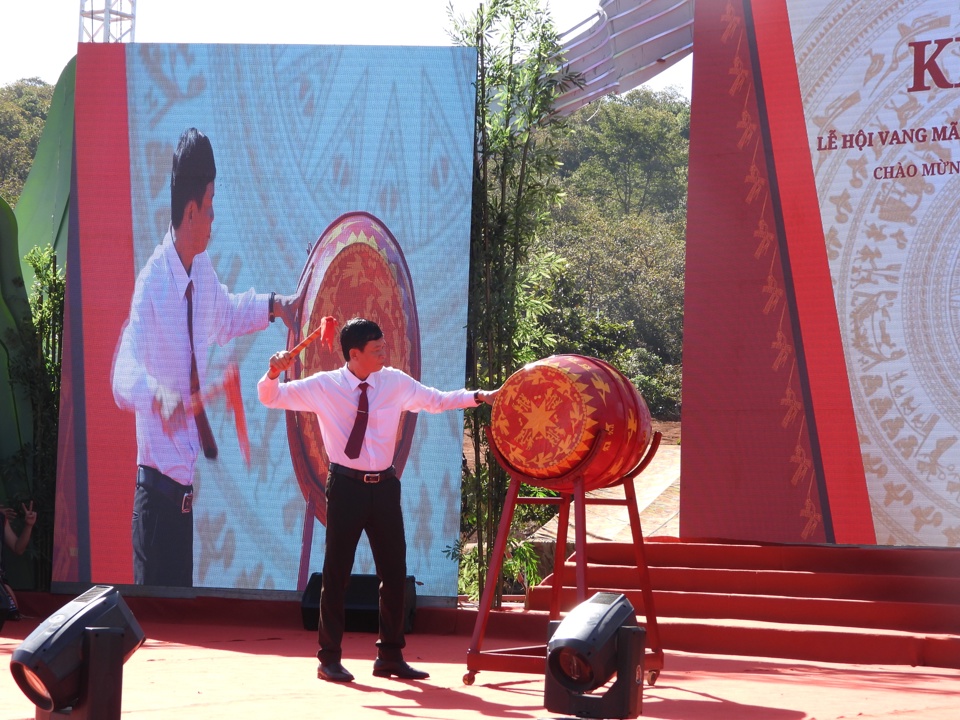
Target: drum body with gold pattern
x=550 y=415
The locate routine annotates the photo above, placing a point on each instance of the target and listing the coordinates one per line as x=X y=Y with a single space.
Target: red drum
x=549 y=415
x=356 y=269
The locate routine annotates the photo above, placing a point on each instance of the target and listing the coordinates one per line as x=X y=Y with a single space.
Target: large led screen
x=343 y=175
x=822 y=309
x=881 y=109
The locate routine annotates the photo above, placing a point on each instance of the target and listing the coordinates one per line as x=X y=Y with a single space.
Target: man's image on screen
x=179 y=309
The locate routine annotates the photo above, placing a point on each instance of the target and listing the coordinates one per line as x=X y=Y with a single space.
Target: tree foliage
x=629 y=154
x=620 y=233
x=626 y=269
x=23 y=112
x=30 y=474
x=515 y=184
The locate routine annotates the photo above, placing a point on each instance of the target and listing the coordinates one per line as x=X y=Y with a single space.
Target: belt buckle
x=186 y=504
x=371 y=478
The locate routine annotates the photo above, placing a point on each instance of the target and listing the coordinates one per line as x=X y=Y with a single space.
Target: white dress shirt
x=155 y=349
x=334 y=396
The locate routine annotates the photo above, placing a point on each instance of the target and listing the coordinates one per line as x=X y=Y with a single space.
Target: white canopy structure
x=622 y=45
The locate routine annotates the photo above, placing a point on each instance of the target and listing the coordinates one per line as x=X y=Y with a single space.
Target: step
x=809 y=642
x=754 y=638
x=902 y=616
x=931 y=562
x=869 y=605
x=793 y=583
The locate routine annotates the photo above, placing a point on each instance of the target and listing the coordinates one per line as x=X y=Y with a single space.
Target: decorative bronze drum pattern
x=356 y=269
x=550 y=414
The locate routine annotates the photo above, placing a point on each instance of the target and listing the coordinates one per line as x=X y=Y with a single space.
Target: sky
x=45 y=32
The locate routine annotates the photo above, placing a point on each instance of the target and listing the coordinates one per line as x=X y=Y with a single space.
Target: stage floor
x=268 y=670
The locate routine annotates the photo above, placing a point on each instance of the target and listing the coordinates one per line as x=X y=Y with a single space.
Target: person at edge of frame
x=17 y=542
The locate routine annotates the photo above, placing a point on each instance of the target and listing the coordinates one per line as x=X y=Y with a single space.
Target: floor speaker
x=361 y=604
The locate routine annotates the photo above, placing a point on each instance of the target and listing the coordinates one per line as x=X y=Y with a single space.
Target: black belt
x=367 y=477
x=155 y=481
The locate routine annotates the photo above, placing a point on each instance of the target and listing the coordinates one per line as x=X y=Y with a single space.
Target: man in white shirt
x=179 y=308
x=359 y=407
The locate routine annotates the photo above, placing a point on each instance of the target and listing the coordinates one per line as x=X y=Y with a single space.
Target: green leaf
x=16 y=414
x=43 y=209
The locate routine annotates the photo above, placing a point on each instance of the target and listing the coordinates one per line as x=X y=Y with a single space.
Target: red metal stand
x=532 y=659
x=306 y=543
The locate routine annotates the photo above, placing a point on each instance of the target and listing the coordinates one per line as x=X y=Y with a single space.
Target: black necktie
x=207 y=442
x=355 y=441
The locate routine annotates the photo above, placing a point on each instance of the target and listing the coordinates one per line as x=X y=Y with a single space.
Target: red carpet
x=217 y=658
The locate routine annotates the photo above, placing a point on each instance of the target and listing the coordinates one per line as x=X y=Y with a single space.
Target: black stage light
x=75 y=657
x=598 y=638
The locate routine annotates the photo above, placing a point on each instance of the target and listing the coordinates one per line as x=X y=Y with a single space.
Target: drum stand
x=306 y=543
x=532 y=659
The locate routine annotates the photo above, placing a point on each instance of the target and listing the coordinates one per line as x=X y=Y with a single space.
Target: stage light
x=75 y=657
x=598 y=639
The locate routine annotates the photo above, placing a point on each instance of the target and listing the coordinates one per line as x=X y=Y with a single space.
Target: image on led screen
x=337 y=174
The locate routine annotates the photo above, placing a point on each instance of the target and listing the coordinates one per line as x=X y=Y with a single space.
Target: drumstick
x=328 y=326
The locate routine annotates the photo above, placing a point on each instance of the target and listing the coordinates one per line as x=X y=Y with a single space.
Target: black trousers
x=354 y=507
x=162 y=531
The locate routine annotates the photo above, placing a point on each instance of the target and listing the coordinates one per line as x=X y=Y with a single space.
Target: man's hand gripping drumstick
x=281 y=361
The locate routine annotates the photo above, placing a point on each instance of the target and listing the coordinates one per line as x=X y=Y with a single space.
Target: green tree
x=577 y=329
x=620 y=233
x=629 y=154
x=627 y=269
x=515 y=184
x=30 y=474
x=23 y=112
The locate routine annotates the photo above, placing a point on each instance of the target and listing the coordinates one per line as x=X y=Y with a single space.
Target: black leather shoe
x=388 y=668
x=333 y=672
